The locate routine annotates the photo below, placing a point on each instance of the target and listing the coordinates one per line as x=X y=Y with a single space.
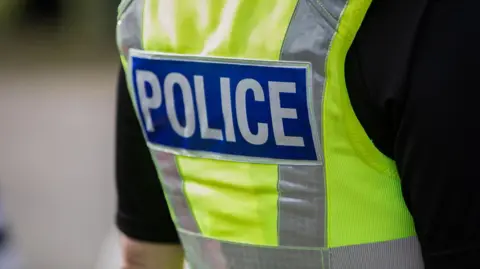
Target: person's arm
x=145 y=255
x=149 y=239
x=437 y=146
x=412 y=75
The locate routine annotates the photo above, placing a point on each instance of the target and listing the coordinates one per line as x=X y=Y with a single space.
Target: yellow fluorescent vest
x=347 y=212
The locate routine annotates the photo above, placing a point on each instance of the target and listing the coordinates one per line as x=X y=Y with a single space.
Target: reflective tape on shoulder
x=302 y=189
x=129 y=27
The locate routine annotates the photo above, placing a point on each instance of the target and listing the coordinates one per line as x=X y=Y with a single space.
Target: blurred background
x=58 y=65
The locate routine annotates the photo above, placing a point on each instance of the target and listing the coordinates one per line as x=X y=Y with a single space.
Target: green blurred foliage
x=9 y=11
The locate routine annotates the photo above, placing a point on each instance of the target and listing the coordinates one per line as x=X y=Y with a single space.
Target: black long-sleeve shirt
x=412 y=79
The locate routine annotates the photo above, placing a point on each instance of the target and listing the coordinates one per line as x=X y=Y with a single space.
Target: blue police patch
x=228 y=109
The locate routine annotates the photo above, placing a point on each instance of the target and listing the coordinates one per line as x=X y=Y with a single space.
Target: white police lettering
x=205 y=131
x=170 y=81
x=148 y=103
x=279 y=113
x=241 y=93
x=227 y=109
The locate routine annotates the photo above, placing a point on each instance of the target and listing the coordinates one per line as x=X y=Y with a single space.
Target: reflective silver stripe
x=302 y=191
x=301 y=202
x=173 y=187
x=398 y=254
x=329 y=8
x=205 y=253
x=129 y=26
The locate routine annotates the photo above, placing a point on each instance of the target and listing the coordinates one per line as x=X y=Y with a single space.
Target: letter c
x=240 y=98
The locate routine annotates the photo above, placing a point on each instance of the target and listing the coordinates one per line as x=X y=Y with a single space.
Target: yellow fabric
x=365 y=202
x=230 y=201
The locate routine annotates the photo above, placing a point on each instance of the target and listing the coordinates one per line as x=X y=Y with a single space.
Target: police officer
x=299 y=134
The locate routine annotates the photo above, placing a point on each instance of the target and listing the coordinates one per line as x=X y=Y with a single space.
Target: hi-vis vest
x=245 y=110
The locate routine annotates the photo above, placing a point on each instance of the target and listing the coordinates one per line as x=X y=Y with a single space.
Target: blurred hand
x=144 y=255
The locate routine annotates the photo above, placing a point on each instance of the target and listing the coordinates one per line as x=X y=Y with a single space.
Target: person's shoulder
x=377 y=66
x=148 y=218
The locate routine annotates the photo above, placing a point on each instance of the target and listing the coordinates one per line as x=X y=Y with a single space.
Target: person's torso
x=247 y=116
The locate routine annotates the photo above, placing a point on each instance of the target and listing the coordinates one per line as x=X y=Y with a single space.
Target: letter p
x=148 y=103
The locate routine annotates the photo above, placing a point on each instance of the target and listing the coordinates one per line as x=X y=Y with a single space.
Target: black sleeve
x=412 y=76
x=437 y=145
x=142 y=209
